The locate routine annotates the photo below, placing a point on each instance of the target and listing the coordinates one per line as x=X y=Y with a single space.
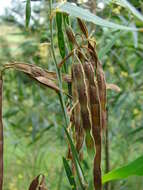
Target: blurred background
x=34 y=137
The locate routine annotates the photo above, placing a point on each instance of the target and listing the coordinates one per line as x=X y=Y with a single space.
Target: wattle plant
x=86 y=119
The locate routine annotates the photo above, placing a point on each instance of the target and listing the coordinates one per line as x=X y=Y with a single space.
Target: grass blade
x=69 y=174
x=133 y=168
x=61 y=42
x=81 y=177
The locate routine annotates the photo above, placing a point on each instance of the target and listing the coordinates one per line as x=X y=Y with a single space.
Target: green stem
x=61 y=97
x=58 y=72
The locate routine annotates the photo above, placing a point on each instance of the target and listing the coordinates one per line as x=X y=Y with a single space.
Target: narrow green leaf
x=80 y=174
x=134 y=168
x=61 y=42
x=28 y=13
x=135 y=131
x=84 y=14
x=66 y=19
x=69 y=174
x=109 y=46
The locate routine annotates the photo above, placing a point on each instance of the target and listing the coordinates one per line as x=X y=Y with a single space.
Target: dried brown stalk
x=38 y=183
x=1 y=137
x=44 y=77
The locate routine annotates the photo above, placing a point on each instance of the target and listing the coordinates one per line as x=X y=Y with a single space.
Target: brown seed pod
x=101 y=82
x=83 y=97
x=38 y=183
x=79 y=133
x=83 y=27
x=102 y=92
x=93 y=54
x=95 y=108
x=43 y=77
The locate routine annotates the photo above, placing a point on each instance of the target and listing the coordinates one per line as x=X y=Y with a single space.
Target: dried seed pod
x=83 y=27
x=44 y=77
x=1 y=138
x=38 y=183
x=71 y=36
x=95 y=108
x=93 y=54
x=102 y=92
x=83 y=97
x=79 y=133
x=101 y=82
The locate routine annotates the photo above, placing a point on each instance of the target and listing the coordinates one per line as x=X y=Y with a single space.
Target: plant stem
x=58 y=72
x=61 y=97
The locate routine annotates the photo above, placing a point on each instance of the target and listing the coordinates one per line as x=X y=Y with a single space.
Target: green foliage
x=61 y=43
x=69 y=174
x=81 y=13
x=132 y=169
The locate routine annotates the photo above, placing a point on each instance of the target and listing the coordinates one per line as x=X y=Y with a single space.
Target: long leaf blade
x=69 y=174
x=78 y=167
x=28 y=13
x=60 y=34
x=84 y=14
x=133 y=168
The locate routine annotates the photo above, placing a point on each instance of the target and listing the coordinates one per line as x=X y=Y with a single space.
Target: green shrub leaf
x=61 y=42
x=84 y=14
x=134 y=168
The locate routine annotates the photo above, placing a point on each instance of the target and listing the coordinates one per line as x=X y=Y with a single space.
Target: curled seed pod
x=101 y=82
x=95 y=108
x=83 y=97
x=102 y=93
x=93 y=54
x=1 y=138
x=83 y=27
x=38 y=183
x=71 y=36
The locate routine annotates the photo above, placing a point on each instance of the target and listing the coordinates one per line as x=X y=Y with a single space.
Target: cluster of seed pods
x=89 y=98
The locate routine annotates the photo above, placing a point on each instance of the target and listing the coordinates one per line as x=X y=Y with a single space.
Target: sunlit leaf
x=84 y=14
x=28 y=13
